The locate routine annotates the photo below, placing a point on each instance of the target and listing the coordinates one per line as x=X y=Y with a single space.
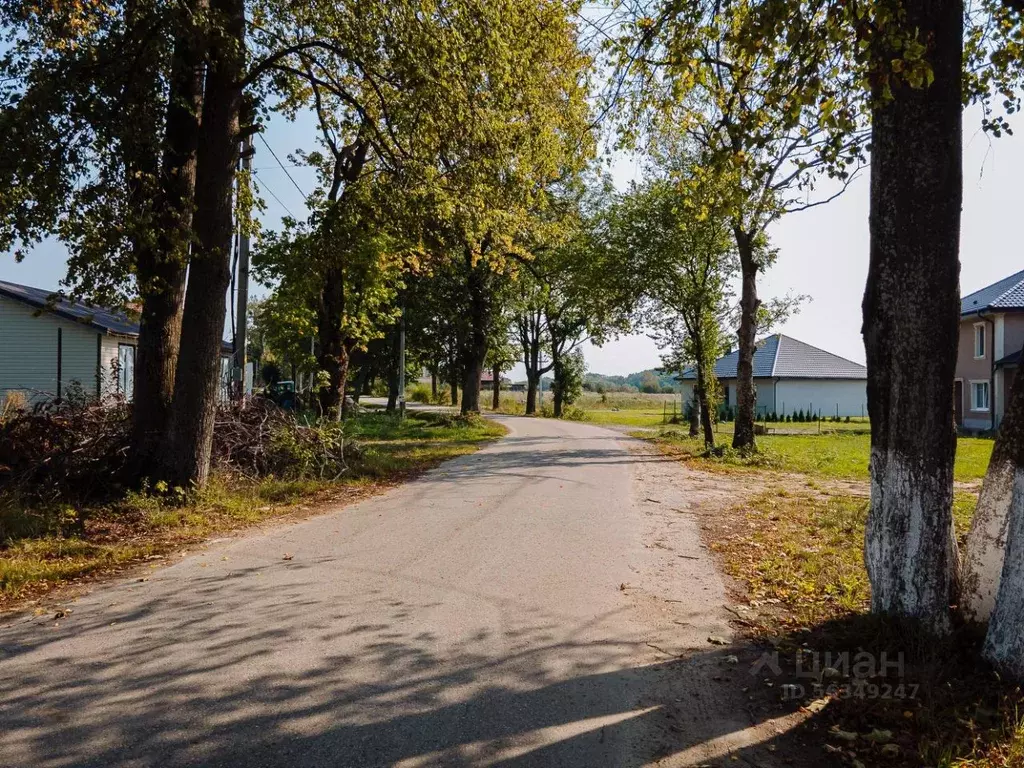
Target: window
x=979 y=395
x=979 y=341
x=126 y=371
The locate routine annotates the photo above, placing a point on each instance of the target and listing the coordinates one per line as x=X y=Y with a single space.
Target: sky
x=823 y=252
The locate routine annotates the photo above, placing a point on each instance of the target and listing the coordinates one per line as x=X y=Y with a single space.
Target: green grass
x=840 y=455
x=45 y=548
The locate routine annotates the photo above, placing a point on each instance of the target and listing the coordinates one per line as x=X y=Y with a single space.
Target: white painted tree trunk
x=910 y=548
x=986 y=542
x=1004 y=644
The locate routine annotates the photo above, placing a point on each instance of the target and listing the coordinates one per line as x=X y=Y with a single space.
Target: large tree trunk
x=704 y=406
x=333 y=357
x=531 y=394
x=160 y=270
x=475 y=348
x=997 y=540
x=986 y=542
x=558 y=390
x=496 y=396
x=911 y=324
x=746 y=394
x=197 y=381
x=392 y=405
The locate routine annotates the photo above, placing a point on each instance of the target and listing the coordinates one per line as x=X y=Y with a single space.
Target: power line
x=265 y=186
x=274 y=154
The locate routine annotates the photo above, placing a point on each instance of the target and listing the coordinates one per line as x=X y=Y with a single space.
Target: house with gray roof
x=791 y=376
x=51 y=346
x=988 y=355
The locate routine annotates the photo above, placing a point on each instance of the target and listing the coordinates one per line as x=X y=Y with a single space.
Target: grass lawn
x=799 y=555
x=143 y=526
x=839 y=455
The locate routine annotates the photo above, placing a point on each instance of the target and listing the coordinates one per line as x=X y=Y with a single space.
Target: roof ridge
x=1012 y=288
x=778 y=348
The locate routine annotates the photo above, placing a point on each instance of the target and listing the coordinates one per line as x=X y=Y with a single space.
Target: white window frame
x=983 y=335
x=126 y=378
x=988 y=396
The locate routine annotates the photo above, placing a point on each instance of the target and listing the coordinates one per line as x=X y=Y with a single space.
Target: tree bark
x=531 y=394
x=333 y=356
x=986 y=542
x=496 y=396
x=558 y=390
x=392 y=405
x=197 y=381
x=998 y=540
x=746 y=393
x=475 y=348
x=704 y=405
x=433 y=386
x=160 y=268
x=911 y=324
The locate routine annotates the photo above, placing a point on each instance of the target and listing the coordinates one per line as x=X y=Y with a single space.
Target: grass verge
x=798 y=556
x=840 y=455
x=142 y=526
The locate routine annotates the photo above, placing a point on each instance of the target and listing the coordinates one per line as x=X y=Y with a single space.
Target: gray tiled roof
x=783 y=357
x=1007 y=293
x=107 y=320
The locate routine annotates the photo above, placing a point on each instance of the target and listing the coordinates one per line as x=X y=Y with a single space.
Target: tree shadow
x=302 y=676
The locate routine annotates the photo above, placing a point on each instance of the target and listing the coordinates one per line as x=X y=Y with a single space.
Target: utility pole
x=242 y=305
x=401 y=364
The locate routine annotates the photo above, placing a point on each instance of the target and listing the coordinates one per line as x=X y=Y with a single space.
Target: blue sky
x=823 y=252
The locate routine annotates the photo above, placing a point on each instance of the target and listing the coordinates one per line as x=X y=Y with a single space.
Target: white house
x=792 y=376
x=49 y=347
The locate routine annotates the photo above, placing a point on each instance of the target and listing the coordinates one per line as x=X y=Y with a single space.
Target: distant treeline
x=650 y=381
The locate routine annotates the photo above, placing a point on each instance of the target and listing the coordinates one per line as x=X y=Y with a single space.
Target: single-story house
x=48 y=348
x=792 y=376
x=991 y=337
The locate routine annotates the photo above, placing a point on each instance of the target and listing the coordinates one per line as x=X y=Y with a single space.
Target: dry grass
x=798 y=557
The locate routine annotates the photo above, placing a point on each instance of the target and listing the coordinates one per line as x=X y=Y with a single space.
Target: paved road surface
x=521 y=606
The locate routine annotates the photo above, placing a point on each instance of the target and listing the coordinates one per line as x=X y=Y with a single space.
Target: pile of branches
x=56 y=451
x=259 y=439
x=75 y=452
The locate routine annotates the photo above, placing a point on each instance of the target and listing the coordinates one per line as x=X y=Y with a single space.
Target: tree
x=501 y=356
x=1003 y=494
x=348 y=262
x=913 y=66
x=754 y=121
x=682 y=249
x=568 y=384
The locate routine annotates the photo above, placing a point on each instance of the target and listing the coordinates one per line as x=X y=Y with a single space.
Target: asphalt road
x=525 y=605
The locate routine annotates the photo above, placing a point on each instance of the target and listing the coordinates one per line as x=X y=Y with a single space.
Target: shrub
x=420 y=393
x=575 y=413
x=847 y=419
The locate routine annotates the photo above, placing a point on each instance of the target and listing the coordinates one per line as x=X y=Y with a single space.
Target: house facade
x=53 y=349
x=791 y=376
x=991 y=338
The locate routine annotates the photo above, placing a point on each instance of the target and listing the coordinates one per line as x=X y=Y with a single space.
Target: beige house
x=991 y=337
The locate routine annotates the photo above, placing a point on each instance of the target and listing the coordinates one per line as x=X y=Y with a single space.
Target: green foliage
x=569 y=373
x=420 y=393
